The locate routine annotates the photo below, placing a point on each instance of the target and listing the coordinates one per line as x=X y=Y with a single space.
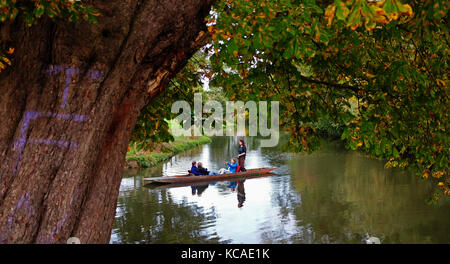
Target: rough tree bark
x=68 y=105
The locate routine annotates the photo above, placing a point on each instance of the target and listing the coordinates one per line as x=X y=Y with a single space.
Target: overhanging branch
x=336 y=85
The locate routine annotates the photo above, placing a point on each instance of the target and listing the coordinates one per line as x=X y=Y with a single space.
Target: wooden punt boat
x=186 y=178
x=161 y=186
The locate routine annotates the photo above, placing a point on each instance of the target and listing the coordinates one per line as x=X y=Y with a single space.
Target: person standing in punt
x=240 y=193
x=242 y=151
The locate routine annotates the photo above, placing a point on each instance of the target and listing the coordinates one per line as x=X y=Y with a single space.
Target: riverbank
x=163 y=151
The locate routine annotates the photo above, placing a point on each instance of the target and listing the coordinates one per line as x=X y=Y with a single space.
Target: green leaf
x=395 y=152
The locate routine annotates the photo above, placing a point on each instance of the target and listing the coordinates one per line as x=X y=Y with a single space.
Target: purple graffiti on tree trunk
x=70 y=71
x=59 y=143
x=25 y=202
x=32 y=115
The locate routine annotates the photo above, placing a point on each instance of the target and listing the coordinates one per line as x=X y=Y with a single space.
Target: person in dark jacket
x=204 y=171
x=242 y=151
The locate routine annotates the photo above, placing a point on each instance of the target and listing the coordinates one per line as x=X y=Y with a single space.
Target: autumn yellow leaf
x=440 y=82
x=408 y=10
x=370 y=75
x=379 y=11
x=294 y=94
x=317 y=38
x=438 y=174
x=6 y=60
x=329 y=14
x=393 y=16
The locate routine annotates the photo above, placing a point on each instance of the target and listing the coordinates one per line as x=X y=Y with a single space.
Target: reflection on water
x=331 y=196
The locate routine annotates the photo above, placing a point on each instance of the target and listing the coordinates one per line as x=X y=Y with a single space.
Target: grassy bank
x=163 y=151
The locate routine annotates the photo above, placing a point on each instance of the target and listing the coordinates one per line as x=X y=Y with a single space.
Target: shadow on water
x=330 y=196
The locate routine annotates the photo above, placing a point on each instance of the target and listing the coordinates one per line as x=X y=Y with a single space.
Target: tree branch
x=336 y=85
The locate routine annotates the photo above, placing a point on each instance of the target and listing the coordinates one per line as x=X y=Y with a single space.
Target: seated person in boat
x=194 y=170
x=204 y=171
x=231 y=167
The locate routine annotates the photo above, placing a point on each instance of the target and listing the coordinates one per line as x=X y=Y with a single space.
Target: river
x=331 y=196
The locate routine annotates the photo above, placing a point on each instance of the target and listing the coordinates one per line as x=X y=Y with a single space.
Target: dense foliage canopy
x=378 y=69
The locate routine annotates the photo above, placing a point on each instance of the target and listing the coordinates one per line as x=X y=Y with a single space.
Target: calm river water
x=330 y=196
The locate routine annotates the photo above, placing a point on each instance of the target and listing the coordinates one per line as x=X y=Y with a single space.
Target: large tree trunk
x=68 y=105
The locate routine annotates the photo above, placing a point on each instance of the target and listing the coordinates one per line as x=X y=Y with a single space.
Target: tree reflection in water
x=331 y=196
x=147 y=216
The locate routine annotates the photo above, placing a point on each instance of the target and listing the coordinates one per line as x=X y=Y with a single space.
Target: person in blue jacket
x=194 y=169
x=232 y=166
